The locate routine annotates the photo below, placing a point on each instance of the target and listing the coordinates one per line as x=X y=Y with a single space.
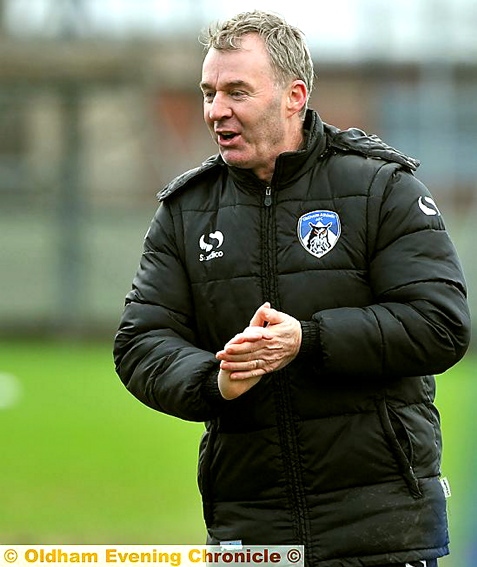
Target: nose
x=219 y=108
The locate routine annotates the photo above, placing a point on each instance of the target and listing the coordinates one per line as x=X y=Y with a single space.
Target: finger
x=234 y=355
x=232 y=349
x=239 y=365
x=244 y=350
x=257 y=333
x=244 y=376
x=249 y=335
x=244 y=369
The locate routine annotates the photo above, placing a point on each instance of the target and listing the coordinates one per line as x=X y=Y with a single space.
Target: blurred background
x=100 y=108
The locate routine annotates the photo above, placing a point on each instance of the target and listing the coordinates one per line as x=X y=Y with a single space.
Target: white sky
x=343 y=28
x=332 y=20
x=120 y=15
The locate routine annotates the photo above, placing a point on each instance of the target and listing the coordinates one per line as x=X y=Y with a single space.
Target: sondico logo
x=428 y=206
x=210 y=244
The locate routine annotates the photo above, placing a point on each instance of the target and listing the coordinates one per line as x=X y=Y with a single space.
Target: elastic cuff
x=211 y=389
x=310 y=338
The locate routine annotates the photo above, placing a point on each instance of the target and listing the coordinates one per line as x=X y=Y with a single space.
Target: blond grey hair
x=286 y=45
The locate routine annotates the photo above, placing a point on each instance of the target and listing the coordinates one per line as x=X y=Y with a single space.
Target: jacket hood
x=369 y=145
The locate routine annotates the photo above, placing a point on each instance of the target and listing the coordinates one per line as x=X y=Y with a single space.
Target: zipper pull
x=268 y=196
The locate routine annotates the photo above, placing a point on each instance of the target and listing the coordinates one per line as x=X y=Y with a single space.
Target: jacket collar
x=289 y=166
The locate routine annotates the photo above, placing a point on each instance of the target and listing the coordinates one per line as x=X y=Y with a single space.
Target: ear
x=296 y=98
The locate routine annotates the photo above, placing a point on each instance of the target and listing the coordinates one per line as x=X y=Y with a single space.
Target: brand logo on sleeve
x=210 y=244
x=428 y=206
x=319 y=232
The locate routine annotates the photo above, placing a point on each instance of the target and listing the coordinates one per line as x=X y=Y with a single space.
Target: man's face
x=244 y=108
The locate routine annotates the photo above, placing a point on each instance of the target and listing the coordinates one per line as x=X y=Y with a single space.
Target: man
x=297 y=292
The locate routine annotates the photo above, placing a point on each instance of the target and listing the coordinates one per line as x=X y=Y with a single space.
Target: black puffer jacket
x=340 y=451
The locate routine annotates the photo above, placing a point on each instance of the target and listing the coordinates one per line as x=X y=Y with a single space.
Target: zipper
x=291 y=452
x=285 y=422
x=269 y=284
x=268 y=196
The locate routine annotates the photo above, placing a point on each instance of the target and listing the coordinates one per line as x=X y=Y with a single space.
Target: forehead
x=248 y=63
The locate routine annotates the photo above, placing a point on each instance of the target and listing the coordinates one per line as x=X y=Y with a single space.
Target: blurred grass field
x=83 y=462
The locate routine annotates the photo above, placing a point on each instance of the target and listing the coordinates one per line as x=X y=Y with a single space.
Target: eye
x=237 y=94
x=208 y=96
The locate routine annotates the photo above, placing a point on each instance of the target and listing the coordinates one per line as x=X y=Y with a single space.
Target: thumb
x=274 y=317
x=259 y=318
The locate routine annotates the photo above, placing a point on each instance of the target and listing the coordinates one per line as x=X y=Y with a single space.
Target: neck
x=266 y=175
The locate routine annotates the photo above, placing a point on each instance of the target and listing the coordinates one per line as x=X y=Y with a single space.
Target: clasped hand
x=270 y=342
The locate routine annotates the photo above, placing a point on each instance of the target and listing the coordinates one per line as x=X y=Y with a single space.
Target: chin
x=234 y=161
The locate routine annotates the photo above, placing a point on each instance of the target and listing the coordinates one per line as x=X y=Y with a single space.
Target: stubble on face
x=266 y=143
x=258 y=116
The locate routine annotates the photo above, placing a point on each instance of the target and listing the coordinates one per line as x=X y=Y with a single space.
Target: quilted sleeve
x=419 y=322
x=155 y=353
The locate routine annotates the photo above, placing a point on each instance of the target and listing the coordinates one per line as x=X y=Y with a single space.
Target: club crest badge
x=319 y=232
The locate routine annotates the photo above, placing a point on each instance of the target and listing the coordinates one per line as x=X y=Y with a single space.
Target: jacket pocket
x=400 y=443
x=206 y=451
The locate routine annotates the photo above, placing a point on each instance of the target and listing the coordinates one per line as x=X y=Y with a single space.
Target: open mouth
x=226 y=136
